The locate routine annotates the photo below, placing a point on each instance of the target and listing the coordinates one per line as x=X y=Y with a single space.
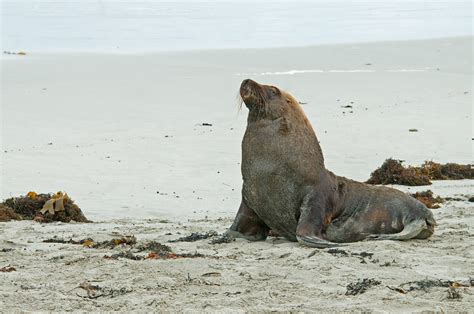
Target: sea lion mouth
x=252 y=93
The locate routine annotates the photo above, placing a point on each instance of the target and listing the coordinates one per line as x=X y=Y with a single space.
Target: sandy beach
x=149 y=145
x=274 y=275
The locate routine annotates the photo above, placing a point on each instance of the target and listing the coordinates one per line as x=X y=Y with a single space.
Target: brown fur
x=286 y=187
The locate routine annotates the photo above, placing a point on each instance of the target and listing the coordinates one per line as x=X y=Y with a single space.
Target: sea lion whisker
x=240 y=101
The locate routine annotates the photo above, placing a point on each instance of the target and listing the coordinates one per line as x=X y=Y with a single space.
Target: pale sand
x=107 y=117
x=271 y=275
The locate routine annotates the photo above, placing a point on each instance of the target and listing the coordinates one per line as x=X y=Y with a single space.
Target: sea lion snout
x=250 y=92
x=247 y=87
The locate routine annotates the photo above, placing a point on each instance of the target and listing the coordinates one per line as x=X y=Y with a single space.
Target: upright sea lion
x=287 y=188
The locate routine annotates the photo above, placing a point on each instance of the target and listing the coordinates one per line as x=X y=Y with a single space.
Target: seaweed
x=96 y=291
x=196 y=236
x=453 y=294
x=42 y=208
x=89 y=242
x=337 y=252
x=426 y=284
x=449 y=171
x=152 y=246
x=394 y=172
x=427 y=198
x=7 y=269
x=225 y=238
x=361 y=286
x=7 y=214
x=128 y=255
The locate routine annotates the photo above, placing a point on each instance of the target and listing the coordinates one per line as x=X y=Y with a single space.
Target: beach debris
x=426 y=284
x=7 y=269
x=456 y=199
x=361 y=286
x=229 y=294
x=170 y=255
x=90 y=243
x=152 y=246
x=5 y=250
x=92 y=290
x=212 y=274
x=453 y=294
x=393 y=172
x=427 y=198
x=20 y=53
x=339 y=252
x=389 y=263
x=196 y=236
x=206 y=124
x=313 y=253
x=398 y=289
x=225 y=238
x=54 y=204
x=412 y=130
x=449 y=171
x=127 y=255
x=156 y=251
x=284 y=255
x=7 y=214
x=95 y=291
x=62 y=241
x=41 y=207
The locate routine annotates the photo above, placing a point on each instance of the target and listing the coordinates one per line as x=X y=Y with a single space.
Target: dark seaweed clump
x=361 y=286
x=394 y=172
x=427 y=198
x=29 y=207
x=196 y=236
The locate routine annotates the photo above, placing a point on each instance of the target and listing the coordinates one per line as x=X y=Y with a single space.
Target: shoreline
x=43 y=53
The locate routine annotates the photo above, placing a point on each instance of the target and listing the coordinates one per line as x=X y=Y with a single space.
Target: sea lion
x=286 y=187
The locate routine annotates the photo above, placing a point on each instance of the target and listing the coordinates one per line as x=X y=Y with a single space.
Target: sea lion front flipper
x=316 y=242
x=248 y=225
x=311 y=222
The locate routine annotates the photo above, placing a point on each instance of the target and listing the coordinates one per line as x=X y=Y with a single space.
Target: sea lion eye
x=274 y=91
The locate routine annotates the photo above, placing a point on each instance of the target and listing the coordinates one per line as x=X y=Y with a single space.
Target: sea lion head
x=264 y=101
x=268 y=102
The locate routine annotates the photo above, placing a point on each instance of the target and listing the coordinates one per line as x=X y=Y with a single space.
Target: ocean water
x=145 y=26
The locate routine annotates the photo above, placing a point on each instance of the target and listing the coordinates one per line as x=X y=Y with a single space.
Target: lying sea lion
x=286 y=187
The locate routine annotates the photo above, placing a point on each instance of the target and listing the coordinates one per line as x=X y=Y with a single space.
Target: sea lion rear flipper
x=410 y=231
x=248 y=225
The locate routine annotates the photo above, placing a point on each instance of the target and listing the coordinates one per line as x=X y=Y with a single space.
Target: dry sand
x=113 y=130
x=241 y=276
